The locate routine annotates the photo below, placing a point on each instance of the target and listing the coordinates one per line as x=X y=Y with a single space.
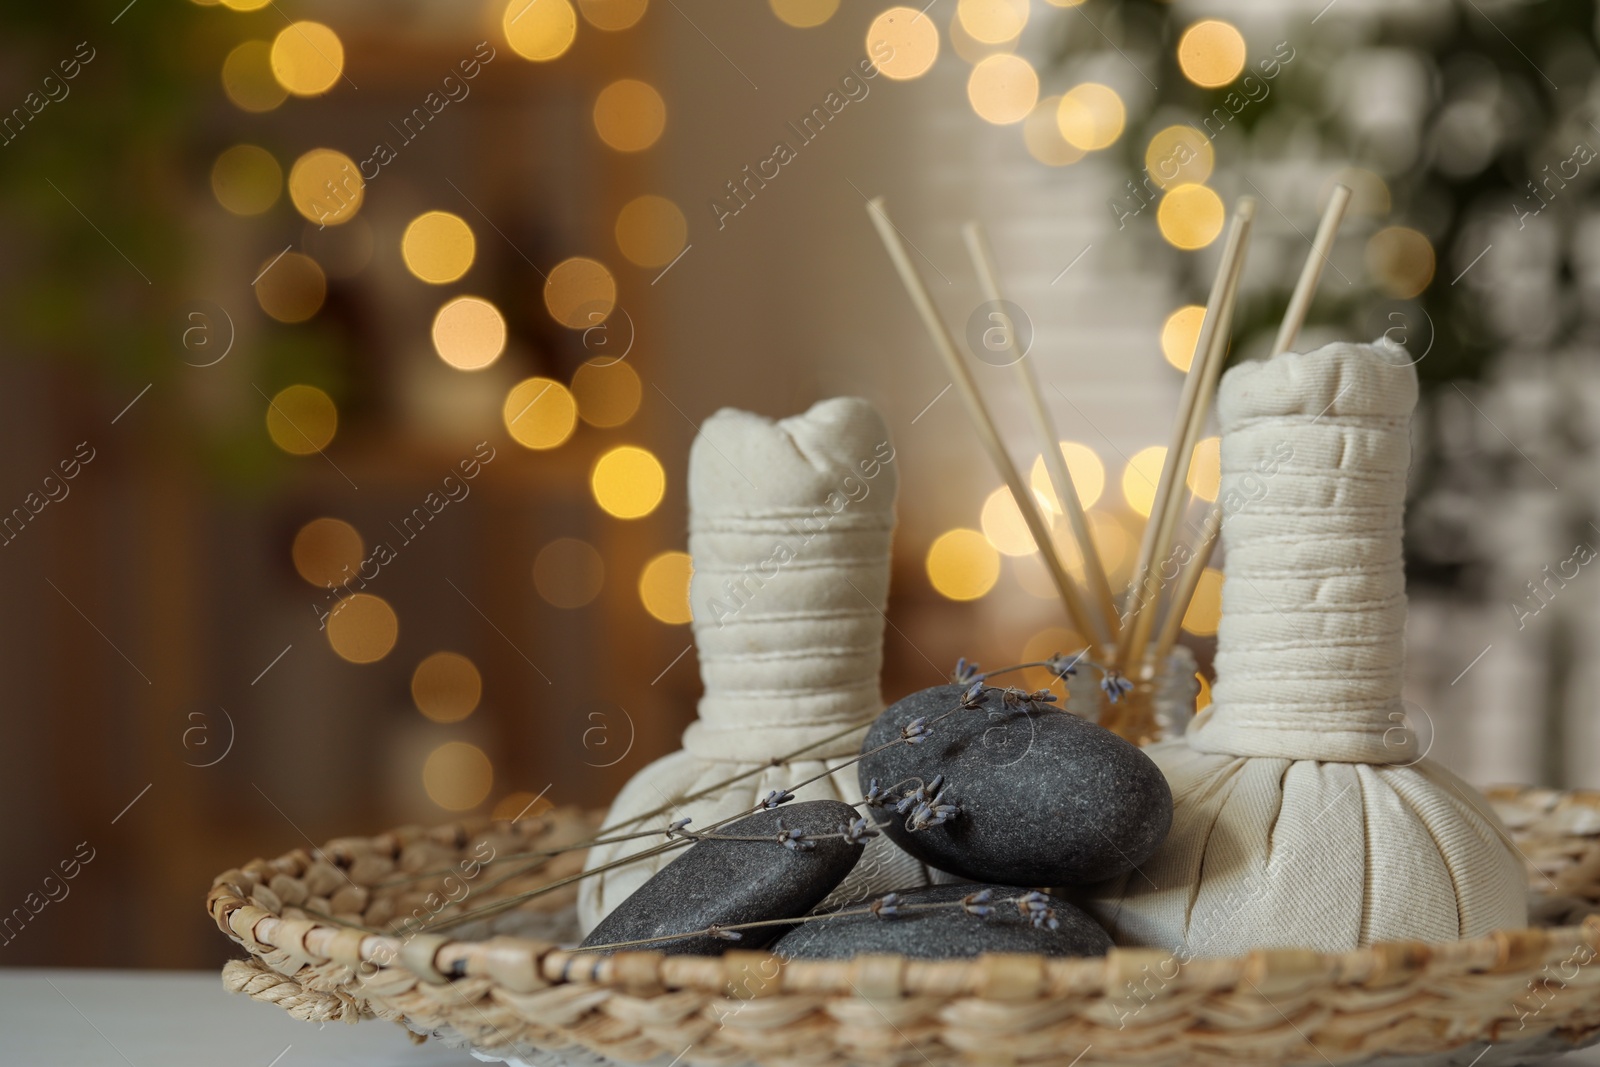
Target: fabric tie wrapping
x=789 y=529
x=1304 y=813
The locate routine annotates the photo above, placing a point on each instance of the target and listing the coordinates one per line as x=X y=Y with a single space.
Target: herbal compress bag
x=789 y=529
x=1304 y=812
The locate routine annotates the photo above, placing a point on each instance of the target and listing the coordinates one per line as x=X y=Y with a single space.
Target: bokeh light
x=1180 y=333
x=1401 y=260
x=970 y=50
x=1204 y=478
x=1048 y=642
x=469 y=333
x=580 y=292
x=446 y=687
x=1112 y=543
x=1042 y=135
x=607 y=392
x=629 y=115
x=1003 y=525
x=962 y=565
x=612 y=15
x=327 y=552
x=1202 y=699
x=1141 y=476
x=539 y=30
x=539 y=413
x=456 y=775
x=803 y=14
x=1177 y=155
x=651 y=231
x=1091 y=116
x=568 y=573
x=307 y=58
x=246 y=179
x=1205 y=610
x=245 y=5
x=362 y=628
x=326 y=187
x=247 y=78
x=1087 y=471
x=628 y=482
x=291 y=287
x=902 y=43
x=1211 y=53
x=1003 y=89
x=993 y=21
x=515 y=806
x=302 y=420
x=1190 y=216
x=664 y=587
x=438 y=247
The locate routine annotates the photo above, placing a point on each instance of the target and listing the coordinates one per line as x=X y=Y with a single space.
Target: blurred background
x=352 y=354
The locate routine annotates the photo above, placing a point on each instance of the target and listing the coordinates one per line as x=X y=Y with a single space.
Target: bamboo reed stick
x=982 y=422
x=1294 y=317
x=1055 y=465
x=1193 y=405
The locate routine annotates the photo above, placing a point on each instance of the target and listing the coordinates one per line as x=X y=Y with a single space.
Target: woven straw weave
x=1531 y=992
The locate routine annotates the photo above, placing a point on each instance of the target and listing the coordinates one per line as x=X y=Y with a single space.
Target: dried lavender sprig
x=980 y=904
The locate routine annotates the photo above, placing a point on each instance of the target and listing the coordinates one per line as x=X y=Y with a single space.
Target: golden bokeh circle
x=326 y=187
x=804 y=14
x=1204 y=477
x=651 y=231
x=518 y=806
x=1211 y=53
x=1141 y=476
x=628 y=482
x=664 y=587
x=438 y=247
x=539 y=30
x=629 y=115
x=1042 y=135
x=362 y=628
x=992 y=21
x=1003 y=89
x=580 y=293
x=568 y=573
x=246 y=179
x=247 y=78
x=327 y=552
x=1401 y=260
x=302 y=420
x=902 y=43
x=1190 y=216
x=245 y=5
x=446 y=687
x=539 y=413
x=962 y=564
x=1180 y=333
x=291 y=287
x=458 y=776
x=1091 y=116
x=469 y=333
x=1003 y=525
x=1179 y=154
x=1087 y=471
x=307 y=58
x=612 y=15
x=607 y=392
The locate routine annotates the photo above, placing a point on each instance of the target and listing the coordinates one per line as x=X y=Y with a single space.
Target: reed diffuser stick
x=1294 y=317
x=1055 y=464
x=1193 y=405
x=982 y=422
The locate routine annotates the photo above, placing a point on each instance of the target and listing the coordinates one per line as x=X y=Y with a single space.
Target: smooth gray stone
x=946 y=933
x=1045 y=798
x=726 y=882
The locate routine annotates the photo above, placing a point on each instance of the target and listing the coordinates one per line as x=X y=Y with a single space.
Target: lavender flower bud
x=877 y=796
x=886 y=906
x=974 y=696
x=723 y=934
x=1115 y=686
x=965 y=671
x=916 y=731
x=776 y=797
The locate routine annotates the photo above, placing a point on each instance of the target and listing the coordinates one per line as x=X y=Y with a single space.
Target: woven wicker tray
x=504 y=988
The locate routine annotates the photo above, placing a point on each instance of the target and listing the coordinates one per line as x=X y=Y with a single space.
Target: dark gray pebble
x=727 y=882
x=1045 y=798
x=946 y=933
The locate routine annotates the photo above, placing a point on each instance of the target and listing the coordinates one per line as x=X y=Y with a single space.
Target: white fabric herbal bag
x=1304 y=813
x=789 y=529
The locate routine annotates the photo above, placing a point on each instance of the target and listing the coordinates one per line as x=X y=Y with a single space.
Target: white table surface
x=80 y=1018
